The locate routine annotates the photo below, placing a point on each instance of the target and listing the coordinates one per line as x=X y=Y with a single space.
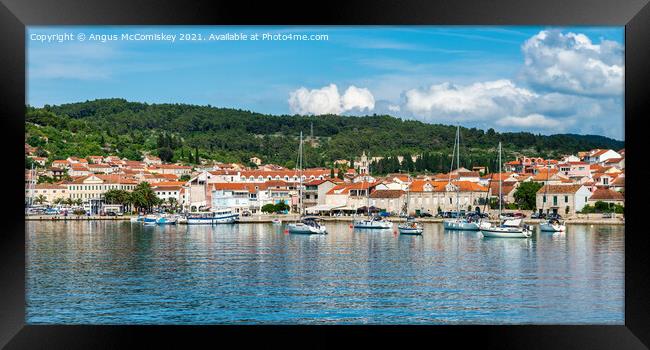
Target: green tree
x=268 y=208
x=144 y=198
x=526 y=195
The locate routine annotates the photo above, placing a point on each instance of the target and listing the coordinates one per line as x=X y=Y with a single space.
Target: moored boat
x=511 y=228
x=221 y=216
x=552 y=225
x=150 y=219
x=308 y=226
x=410 y=227
x=167 y=220
x=277 y=221
x=373 y=223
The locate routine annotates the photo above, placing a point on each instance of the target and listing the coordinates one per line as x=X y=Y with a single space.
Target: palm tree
x=173 y=203
x=58 y=201
x=40 y=199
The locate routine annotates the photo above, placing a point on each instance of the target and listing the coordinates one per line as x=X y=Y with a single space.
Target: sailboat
x=411 y=226
x=465 y=224
x=371 y=222
x=551 y=224
x=306 y=225
x=505 y=229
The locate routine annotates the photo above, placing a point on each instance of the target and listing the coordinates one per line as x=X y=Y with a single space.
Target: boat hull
x=461 y=225
x=303 y=229
x=227 y=219
x=506 y=232
x=373 y=224
x=410 y=230
x=166 y=221
x=546 y=227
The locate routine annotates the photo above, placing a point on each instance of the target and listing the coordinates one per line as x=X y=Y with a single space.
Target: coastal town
x=566 y=186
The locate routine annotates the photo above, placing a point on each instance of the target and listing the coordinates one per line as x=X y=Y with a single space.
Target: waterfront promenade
x=581 y=219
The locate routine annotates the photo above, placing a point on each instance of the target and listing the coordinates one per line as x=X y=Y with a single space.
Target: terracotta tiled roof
x=606 y=194
x=559 y=189
x=387 y=194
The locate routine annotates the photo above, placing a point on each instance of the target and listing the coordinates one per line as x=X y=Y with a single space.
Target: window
x=566 y=199
x=544 y=199
x=554 y=200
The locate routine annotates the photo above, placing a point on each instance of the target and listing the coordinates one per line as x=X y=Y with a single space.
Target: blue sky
x=539 y=79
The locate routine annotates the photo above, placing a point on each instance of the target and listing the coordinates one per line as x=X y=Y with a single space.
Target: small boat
x=221 y=216
x=410 y=227
x=167 y=220
x=137 y=219
x=510 y=228
x=308 y=226
x=463 y=224
x=552 y=225
x=277 y=221
x=507 y=232
x=374 y=223
x=150 y=219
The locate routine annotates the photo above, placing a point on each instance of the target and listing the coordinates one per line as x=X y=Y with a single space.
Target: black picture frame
x=15 y=15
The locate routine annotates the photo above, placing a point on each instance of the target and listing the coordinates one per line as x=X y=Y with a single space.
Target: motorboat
x=552 y=225
x=277 y=221
x=167 y=220
x=307 y=225
x=220 y=216
x=373 y=223
x=410 y=227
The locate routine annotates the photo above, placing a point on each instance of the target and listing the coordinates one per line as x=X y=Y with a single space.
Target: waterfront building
x=508 y=189
x=93 y=187
x=606 y=195
x=50 y=191
x=562 y=199
x=429 y=196
x=168 y=189
x=392 y=201
x=315 y=191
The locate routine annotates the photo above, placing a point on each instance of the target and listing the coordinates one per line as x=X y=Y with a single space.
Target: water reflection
x=118 y=272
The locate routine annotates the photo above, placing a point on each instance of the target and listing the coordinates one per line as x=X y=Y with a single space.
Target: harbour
x=110 y=272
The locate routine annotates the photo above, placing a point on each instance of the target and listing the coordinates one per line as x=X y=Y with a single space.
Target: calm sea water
x=123 y=273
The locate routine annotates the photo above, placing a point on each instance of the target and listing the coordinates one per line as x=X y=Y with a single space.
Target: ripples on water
x=123 y=273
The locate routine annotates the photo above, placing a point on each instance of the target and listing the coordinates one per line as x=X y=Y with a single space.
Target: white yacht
x=512 y=228
x=219 y=216
x=552 y=224
x=370 y=222
x=306 y=225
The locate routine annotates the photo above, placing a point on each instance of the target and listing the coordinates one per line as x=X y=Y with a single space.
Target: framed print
x=454 y=171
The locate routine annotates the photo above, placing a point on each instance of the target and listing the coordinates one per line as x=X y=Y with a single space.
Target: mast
x=500 y=179
x=458 y=167
x=368 y=191
x=300 y=175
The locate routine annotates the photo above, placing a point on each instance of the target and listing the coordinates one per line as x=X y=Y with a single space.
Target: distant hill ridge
x=117 y=125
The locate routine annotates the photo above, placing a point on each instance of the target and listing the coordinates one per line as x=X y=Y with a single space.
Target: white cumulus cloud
x=480 y=100
x=327 y=100
x=571 y=63
x=531 y=122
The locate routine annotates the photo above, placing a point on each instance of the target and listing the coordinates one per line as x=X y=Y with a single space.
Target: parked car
x=111 y=213
x=425 y=215
x=608 y=215
x=554 y=216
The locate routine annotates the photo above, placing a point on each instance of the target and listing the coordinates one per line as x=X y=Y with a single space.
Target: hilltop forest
x=191 y=133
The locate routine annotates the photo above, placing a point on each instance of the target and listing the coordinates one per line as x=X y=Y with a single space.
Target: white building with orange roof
x=606 y=195
x=61 y=164
x=95 y=159
x=427 y=196
x=151 y=160
x=78 y=169
x=100 y=168
x=574 y=169
x=175 y=169
x=168 y=189
x=93 y=187
x=50 y=191
x=601 y=155
x=562 y=199
x=38 y=160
